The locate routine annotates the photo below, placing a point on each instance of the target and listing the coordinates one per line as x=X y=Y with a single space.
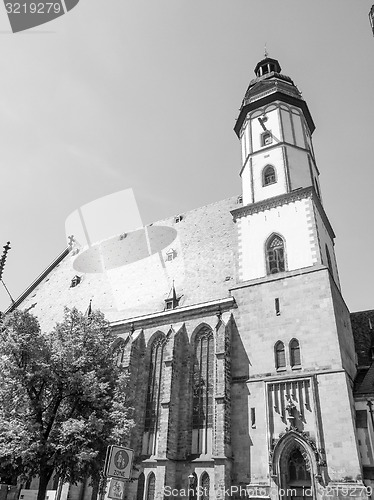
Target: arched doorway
x=298 y=480
x=294 y=467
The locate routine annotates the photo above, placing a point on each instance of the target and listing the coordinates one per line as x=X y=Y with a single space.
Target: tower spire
x=266 y=53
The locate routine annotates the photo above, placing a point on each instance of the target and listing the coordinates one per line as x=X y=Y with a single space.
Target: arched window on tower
x=280 y=355
x=151 y=487
x=154 y=393
x=275 y=255
x=202 y=413
x=295 y=358
x=268 y=176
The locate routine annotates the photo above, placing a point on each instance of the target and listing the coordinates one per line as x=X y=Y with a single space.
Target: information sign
x=118 y=462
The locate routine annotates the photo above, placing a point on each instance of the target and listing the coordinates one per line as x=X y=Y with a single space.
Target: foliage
x=62 y=397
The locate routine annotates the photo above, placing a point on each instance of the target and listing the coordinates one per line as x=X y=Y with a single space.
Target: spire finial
x=266 y=51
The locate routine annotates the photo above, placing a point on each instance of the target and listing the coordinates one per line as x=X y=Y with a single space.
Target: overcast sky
x=144 y=94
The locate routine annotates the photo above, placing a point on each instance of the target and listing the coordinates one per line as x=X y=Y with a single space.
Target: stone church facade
x=236 y=336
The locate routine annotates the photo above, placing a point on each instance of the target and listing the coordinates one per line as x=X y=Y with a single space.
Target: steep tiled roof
x=363 y=333
x=203 y=269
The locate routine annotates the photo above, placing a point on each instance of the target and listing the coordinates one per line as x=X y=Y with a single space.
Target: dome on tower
x=268 y=86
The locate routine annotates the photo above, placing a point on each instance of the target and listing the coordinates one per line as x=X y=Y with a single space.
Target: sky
x=144 y=94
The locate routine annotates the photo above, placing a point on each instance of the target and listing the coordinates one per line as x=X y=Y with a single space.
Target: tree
x=63 y=397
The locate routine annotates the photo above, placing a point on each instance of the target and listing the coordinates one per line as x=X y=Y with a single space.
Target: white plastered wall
x=291 y=222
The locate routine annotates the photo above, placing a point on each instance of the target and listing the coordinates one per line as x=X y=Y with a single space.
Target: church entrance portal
x=297 y=484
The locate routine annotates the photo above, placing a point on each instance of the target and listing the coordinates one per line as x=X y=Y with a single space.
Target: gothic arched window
x=205 y=486
x=297 y=469
x=268 y=176
x=275 y=255
x=151 y=487
x=202 y=415
x=140 y=491
x=154 y=391
x=192 y=486
x=280 y=355
x=295 y=359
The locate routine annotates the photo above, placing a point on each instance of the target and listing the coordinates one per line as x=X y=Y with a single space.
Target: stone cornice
x=268 y=203
x=276 y=201
x=278 y=379
x=177 y=315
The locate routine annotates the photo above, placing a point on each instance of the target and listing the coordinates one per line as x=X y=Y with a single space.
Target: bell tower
x=280 y=180
x=294 y=353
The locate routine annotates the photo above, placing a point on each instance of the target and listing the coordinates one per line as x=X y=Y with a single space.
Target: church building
x=236 y=336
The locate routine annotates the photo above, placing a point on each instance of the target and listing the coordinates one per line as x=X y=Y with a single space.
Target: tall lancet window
x=275 y=255
x=205 y=486
x=151 y=487
x=203 y=379
x=295 y=358
x=154 y=393
x=280 y=355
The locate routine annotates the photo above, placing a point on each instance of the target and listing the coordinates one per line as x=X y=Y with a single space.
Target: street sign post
x=118 y=462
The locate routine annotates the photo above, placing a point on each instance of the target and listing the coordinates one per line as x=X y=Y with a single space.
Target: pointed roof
x=268 y=86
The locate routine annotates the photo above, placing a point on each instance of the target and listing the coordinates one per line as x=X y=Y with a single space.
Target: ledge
x=276 y=201
x=279 y=276
x=174 y=315
x=279 y=378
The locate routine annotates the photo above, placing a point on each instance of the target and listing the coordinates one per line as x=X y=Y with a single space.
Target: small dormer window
x=172 y=301
x=170 y=255
x=75 y=281
x=169 y=304
x=266 y=138
x=178 y=218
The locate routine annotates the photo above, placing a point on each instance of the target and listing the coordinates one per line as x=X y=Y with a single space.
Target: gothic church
x=246 y=374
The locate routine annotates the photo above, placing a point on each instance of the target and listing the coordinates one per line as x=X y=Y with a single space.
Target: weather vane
x=266 y=51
